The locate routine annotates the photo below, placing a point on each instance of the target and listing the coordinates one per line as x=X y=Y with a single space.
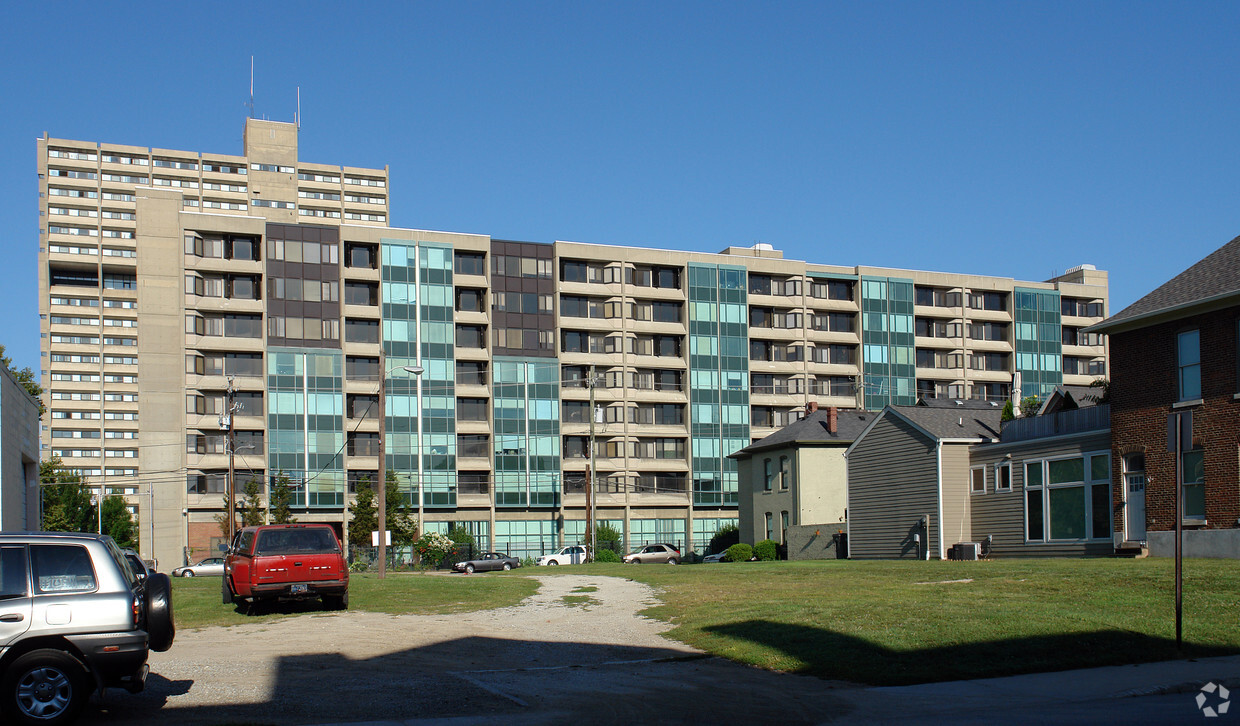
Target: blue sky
x=997 y=138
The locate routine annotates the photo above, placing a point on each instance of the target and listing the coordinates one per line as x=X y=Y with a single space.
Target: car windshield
x=295 y=541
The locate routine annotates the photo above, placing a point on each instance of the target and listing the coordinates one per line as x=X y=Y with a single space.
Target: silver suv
x=73 y=618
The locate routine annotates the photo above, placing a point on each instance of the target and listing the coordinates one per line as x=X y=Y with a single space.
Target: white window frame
x=973 y=480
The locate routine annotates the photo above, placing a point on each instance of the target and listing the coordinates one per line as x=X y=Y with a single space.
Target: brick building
x=1175 y=350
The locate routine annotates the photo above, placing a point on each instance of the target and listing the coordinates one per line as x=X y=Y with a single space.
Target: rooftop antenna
x=251 y=86
x=297 y=118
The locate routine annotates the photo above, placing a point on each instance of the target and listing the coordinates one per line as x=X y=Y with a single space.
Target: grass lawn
x=879 y=623
x=197 y=602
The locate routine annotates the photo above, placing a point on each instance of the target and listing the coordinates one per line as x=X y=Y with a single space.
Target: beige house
x=798 y=477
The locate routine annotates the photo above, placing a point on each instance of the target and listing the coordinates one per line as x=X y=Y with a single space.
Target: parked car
x=717 y=557
x=50 y=662
x=204 y=567
x=139 y=568
x=654 y=553
x=488 y=562
x=571 y=555
x=289 y=561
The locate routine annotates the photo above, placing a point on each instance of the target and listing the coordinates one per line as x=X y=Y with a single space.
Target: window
x=977 y=480
x=770 y=523
x=783 y=526
x=785 y=479
x=472 y=409
x=767 y=476
x=61 y=569
x=1003 y=477
x=1194 y=505
x=469 y=300
x=472 y=445
x=1188 y=356
x=467 y=263
x=1068 y=499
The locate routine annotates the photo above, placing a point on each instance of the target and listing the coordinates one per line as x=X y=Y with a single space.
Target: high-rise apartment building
x=174 y=282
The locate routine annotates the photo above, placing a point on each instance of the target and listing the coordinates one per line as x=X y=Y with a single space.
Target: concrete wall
x=1209 y=543
x=813 y=541
x=19 y=456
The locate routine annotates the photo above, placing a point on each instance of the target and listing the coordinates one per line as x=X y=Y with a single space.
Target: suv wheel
x=45 y=687
x=336 y=602
x=160 y=625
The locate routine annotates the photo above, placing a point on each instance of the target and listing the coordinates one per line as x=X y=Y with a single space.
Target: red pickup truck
x=290 y=561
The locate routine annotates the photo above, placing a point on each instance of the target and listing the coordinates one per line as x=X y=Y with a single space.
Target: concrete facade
x=19 y=456
x=164 y=275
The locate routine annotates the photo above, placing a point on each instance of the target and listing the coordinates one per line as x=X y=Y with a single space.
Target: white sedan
x=209 y=566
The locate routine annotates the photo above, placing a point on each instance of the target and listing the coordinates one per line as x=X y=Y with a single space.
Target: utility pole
x=381 y=489
x=226 y=421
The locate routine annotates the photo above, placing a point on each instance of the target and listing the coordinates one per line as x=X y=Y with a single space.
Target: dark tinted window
x=12 y=572
x=295 y=540
x=62 y=568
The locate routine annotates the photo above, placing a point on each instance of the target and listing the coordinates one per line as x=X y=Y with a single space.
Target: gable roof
x=943 y=424
x=1212 y=282
x=812 y=431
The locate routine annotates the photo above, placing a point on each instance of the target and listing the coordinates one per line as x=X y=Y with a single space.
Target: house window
x=783 y=524
x=770 y=526
x=767 y=475
x=1068 y=499
x=785 y=474
x=1188 y=354
x=1003 y=477
x=1035 y=522
x=1194 y=505
x=977 y=480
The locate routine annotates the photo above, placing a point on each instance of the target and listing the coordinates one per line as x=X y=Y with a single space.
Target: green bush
x=606 y=556
x=728 y=535
x=766 y=550
x=739 y=552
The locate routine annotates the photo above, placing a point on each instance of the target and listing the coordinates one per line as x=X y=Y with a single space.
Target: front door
x=1134 y=506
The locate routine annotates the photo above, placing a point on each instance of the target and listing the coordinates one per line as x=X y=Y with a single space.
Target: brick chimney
x=833 y=421
x=811 y=407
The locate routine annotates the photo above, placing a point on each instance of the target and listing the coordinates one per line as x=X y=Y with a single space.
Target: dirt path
x=564 y=652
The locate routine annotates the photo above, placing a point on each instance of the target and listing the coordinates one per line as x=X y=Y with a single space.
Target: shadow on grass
x=832 y=655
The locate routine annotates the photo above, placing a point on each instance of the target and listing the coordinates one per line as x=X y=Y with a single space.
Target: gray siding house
x=908 y=480
x=1044 y=490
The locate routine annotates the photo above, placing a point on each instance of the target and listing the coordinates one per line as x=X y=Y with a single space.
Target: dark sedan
x=486 y=562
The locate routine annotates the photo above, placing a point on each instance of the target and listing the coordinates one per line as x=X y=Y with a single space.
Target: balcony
x=1081 y=420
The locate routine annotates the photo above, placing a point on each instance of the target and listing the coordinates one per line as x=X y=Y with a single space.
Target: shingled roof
x=946 y=423
x=1214 y=280
x=812 y=431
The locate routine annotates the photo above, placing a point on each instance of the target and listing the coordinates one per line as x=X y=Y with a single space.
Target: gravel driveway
x=548 y=659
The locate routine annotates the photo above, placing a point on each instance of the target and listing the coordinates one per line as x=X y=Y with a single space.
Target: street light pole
x=381 y=489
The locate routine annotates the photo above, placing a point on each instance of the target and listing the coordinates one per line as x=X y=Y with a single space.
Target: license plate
x=298 y=589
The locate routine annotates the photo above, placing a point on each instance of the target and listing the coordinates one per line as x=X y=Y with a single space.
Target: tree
x=66 y=500
x=606 y=538
x=725 y=537
x=363 y=514
x=118 y=522
x=1009 y=412
x=26 y=378
x=251 y=505
x=282 y=501
x=400 y=519
x=1103 y=395
x=460 y=535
